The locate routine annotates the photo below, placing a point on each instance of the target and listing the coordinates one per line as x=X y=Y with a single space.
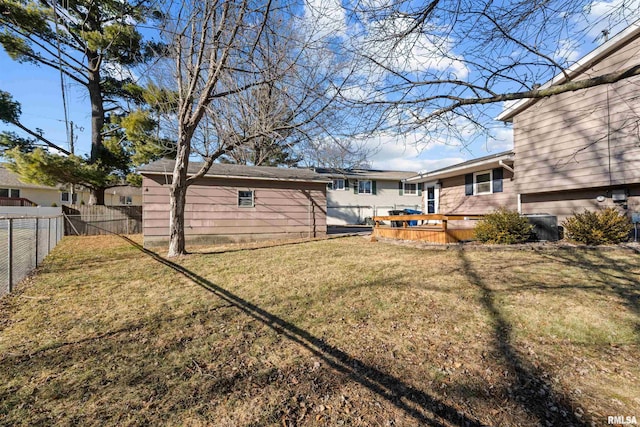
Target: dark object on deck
x=393 y=213
x=545 y=227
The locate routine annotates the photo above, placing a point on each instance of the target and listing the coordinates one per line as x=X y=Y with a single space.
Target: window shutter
x=419 y=189
x=373 y=187
x=346 y=184
x=355 y=187
x=401 y=187
x=497 y=180
x=468 y=184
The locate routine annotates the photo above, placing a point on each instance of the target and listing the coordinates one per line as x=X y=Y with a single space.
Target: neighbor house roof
x=614 y=43
x=474 y=165
x=374 y=174
x=219 y=170
x=10 y=179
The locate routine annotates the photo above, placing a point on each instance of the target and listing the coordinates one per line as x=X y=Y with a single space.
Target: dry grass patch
x=322 y=333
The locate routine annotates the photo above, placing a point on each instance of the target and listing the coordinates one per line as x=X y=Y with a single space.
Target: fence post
x=48 y=235
x=37 y=225
x=10 y=254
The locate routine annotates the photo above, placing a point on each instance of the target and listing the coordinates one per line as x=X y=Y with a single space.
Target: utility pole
x=71 y=150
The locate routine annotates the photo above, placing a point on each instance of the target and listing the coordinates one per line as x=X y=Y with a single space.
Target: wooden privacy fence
x=435 y=228
x=94 y=220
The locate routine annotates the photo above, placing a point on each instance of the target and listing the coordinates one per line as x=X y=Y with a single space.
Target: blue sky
x=38 y=90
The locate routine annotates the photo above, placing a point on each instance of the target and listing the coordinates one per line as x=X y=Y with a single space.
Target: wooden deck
x=434 y=228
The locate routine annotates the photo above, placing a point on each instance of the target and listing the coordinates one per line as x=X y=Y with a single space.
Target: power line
x=62 y=81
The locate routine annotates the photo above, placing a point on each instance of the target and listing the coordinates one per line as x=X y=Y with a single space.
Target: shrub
x=503 y=226
x=598 y=228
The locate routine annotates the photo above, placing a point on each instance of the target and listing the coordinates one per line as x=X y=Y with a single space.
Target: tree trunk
x=96 y=197
x=97 y=120
x=97 y=108
x=177 y=200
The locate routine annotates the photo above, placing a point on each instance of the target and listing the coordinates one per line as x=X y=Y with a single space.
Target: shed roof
x=219 y=170
x=613 y=44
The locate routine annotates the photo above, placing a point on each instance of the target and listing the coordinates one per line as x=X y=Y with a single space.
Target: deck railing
x=434 y=228
x=440 y=220
x=16 y=201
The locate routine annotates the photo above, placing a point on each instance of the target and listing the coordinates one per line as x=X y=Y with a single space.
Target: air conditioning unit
x=545 y=227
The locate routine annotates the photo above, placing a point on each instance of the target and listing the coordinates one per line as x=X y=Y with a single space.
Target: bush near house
x=598 y=228
x=503 y=227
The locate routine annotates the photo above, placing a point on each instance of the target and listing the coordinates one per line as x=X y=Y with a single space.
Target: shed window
x=126 y=200
x=245 y=198
x=13 y=193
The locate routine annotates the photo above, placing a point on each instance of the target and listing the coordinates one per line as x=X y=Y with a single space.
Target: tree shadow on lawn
x=417 y=404
x=625 y=284
x=530 y=390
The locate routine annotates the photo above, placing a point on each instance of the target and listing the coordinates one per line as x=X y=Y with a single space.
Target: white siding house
x=356 y=194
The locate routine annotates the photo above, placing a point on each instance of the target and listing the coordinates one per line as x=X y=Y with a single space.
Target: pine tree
x=87 y=41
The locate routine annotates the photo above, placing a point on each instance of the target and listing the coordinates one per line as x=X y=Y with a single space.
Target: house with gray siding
x=356 y=194
x=236 y=203
x=581 y=150
x=475 y=187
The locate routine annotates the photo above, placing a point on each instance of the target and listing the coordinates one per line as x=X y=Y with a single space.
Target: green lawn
x=335 y=332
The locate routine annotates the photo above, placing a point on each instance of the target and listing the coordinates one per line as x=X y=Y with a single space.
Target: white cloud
x=416 y=164
x=502 y=140
x=412 y=53
x=610 y=16
x=567 y=51
x=325 y=18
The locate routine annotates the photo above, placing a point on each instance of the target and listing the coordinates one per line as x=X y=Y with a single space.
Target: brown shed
x=236 y=203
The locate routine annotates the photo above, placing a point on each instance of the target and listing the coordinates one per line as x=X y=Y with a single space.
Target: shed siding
x=582 y=139
x=282 y=209
x=454 y=201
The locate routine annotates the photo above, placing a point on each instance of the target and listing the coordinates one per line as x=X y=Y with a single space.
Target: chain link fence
x=24 y=242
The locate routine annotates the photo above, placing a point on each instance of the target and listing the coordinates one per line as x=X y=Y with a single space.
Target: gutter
x=457 y=170
x=318 y=181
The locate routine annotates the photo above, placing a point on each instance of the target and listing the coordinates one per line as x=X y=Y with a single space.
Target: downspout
x=520 y=203
x=309 y=219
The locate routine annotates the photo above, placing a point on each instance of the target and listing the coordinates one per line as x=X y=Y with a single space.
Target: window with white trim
x=365 y=187
x=410 y=189
x=13 y=193
x=64 y=197
x=245 y=199
x=482 y=182
x=126 y=200
x=338 y=184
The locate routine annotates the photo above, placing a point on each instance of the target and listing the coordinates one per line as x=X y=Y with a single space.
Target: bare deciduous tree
x=226 y=56
x=437 y=67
